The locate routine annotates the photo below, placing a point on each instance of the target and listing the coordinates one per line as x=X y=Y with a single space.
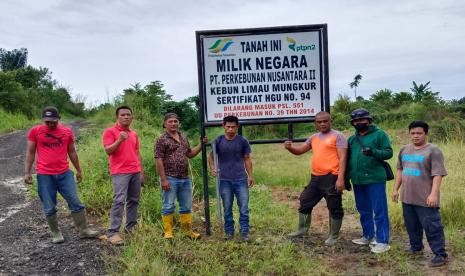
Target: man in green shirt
x=368 y=148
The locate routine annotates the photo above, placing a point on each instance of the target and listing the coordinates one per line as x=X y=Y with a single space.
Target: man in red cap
x=53 y=143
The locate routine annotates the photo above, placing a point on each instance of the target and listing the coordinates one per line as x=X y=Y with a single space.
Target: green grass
x=12 y=122
x=270 y=252
x=210 y=256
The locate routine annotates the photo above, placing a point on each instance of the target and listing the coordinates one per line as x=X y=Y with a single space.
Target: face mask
x=361 y=127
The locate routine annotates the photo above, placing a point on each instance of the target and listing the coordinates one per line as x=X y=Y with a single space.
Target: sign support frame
x=325 y=98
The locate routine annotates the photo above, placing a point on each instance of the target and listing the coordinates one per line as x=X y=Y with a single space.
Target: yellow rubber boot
x=168 y=226
x=186 y=226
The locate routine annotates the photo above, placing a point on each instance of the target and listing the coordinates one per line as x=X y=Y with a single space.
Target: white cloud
x=101 y=47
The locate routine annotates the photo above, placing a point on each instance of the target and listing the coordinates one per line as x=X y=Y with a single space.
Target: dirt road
x=25 y=247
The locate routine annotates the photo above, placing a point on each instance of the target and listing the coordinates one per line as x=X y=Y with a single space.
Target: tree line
x=26 y=90
x=396 y=109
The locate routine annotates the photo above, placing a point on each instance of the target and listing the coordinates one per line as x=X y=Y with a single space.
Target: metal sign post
x=218 y=197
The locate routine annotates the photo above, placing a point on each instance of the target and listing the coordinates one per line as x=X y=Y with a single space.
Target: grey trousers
x=126 y=189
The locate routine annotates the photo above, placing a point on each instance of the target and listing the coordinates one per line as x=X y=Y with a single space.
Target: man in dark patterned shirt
x=172 y=152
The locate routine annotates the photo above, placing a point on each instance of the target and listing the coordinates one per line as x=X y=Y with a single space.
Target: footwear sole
x=360 y=243
x=379 y=252
x=58 y=242
x=298 y=237
x=106 y=239
x=438 y=265
x=446 y=261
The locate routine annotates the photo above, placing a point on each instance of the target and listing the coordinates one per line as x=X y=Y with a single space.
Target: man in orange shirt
x=328 y=167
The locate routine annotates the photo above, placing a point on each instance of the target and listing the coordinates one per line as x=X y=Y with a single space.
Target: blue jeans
x=371 y=199
x=180 y=188
x=417 y=218
x=50 y=184
x=240 y=189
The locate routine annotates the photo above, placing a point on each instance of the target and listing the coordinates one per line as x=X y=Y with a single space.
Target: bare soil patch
x=348 y=258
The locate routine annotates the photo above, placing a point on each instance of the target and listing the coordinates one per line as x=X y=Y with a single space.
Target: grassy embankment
x=18 y=121
x=271 y=252
x=11 y=121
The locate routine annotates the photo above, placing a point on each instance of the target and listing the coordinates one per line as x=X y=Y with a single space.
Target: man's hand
x=123 y=135
x=204 y=140
x=165 y=185
x=432 y=200
x=79 y=176
x=367 y=152
x=213 y=172
x=340 y=185
x=395 y=196
x=251 y=182
x=288 y=144
x=28 y=178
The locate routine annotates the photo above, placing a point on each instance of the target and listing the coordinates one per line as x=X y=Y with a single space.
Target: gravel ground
x=25 y=243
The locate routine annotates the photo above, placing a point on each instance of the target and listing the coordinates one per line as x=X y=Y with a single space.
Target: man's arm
x=75 y=160
x=141 y=167
x=342 y=154
x=297 y=150
x=211 y=164
x=123 y=135
x=195 y=150
x=385 y=152
x=165 y=185
x=249 y=169
x=30 y=156
x=433 y=198
x=398 y=183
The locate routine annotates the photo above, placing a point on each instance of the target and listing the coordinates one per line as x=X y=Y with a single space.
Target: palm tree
x=355 y=83
x=422 y=93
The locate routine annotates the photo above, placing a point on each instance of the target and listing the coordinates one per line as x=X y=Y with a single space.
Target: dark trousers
x=319 y=187
x=126 y=189
x=419 y=218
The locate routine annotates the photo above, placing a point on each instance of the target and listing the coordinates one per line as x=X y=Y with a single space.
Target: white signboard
x=262 y=76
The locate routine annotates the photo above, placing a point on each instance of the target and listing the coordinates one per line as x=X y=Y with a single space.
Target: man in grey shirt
x=420 y=170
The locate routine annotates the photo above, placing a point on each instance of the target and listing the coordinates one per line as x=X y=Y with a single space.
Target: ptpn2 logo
x=221 y=45
x=298 y=48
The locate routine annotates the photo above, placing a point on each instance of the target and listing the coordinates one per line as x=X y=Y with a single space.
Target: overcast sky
x=98 y=48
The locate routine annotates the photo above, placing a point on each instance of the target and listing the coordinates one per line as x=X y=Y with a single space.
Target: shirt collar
x=168 y=135
x=118 y=127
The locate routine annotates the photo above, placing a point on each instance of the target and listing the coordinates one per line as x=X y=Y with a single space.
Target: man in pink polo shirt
x=53 y=143
x=122 y=146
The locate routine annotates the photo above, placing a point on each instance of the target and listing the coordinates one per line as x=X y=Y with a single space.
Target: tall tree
x=422 y=94
x=401 y=98
x=382 y=97
x=342 y=104
x=12 y=60
x=355 y=83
